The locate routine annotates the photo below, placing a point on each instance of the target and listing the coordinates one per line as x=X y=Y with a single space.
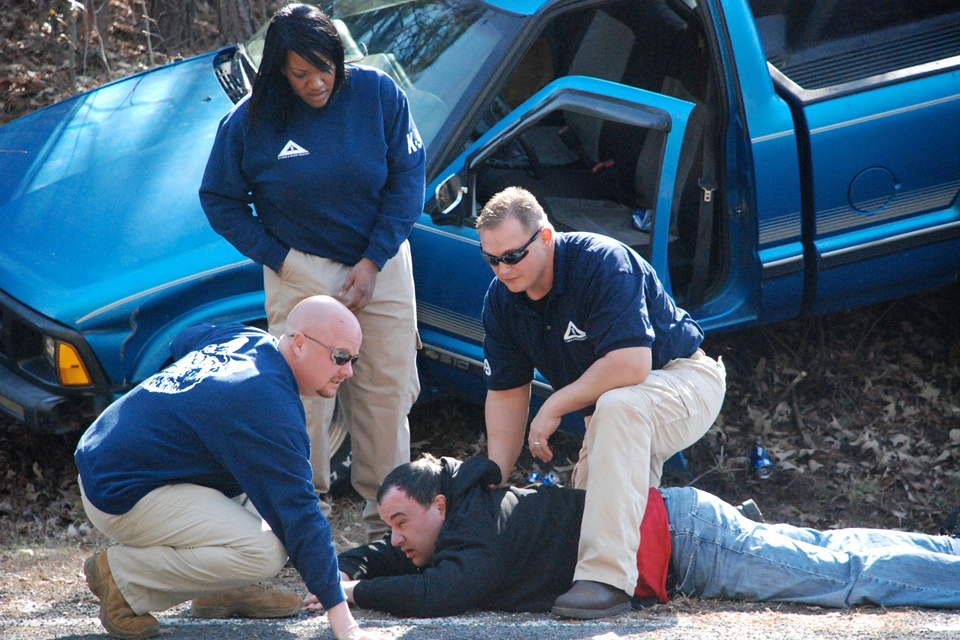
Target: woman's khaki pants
x=374 y=403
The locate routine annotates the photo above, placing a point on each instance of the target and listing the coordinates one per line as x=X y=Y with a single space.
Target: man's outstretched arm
x=372 y=560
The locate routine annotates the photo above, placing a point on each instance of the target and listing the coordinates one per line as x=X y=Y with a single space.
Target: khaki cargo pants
x=183 y=541
x=632 y=432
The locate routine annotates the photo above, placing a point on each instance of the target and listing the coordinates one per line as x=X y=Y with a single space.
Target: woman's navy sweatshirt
x=344 y=182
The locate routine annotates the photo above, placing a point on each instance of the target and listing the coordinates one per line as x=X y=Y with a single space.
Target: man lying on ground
x=458 y=544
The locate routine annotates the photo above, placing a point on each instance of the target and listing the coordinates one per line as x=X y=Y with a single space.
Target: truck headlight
x=63 y=357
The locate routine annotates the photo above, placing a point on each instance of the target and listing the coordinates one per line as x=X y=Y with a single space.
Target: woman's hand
x=362 y=279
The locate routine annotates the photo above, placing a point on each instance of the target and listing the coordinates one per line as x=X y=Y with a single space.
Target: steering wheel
x=530 y=160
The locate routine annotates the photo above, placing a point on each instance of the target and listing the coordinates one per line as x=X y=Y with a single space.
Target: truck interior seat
x=603 y=53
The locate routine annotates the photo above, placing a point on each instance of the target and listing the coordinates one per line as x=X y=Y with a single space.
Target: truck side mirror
x=449 y=195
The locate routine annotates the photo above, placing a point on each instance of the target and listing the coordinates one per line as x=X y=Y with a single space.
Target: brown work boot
x=116 y=616
x=588 y=600
x=253 y=601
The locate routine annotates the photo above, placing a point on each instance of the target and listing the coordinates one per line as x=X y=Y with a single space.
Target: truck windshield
x=433 y=49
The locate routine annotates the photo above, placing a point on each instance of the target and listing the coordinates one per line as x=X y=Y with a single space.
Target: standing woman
x=328 y=156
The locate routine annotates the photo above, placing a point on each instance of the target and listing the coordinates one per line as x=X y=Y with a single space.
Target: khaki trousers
x=632 y=432
x=374 y=403
x=184 y=541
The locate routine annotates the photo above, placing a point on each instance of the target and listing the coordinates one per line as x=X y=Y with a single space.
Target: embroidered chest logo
x=574 y=333
x=292 y=150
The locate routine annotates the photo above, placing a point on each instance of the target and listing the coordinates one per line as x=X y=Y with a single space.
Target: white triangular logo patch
x=292 y=150
x=573 y=333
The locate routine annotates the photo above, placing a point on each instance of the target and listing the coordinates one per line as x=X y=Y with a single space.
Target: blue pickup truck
x=770 y=158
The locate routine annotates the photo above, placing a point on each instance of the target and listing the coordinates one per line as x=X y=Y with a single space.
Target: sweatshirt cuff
x=332 y=596
x=275 y=258
x=378 y=255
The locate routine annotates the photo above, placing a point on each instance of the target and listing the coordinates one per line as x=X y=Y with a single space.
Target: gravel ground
x=43 y=596
x=72 y=613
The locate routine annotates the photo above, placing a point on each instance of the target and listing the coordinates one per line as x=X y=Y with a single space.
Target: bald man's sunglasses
x=339 y=356
x=511 y=257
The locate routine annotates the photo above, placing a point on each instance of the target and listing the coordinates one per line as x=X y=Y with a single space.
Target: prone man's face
x=413 y=527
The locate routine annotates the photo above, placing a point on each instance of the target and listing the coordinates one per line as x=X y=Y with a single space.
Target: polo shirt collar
x=560 y=272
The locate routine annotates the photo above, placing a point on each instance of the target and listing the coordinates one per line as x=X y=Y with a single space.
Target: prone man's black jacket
x=504 y=549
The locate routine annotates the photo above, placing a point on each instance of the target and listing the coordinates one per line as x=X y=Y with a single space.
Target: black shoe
x=951 y=526
x=588 y=600
x=750 y=510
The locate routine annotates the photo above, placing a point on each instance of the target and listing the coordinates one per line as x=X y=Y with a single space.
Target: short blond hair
x=514 y=202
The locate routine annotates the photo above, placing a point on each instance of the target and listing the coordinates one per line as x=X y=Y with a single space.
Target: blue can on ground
x=760 y=462
x=550 y=477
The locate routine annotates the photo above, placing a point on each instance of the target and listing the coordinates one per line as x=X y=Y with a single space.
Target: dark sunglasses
x=511 y=257
x=339 y=356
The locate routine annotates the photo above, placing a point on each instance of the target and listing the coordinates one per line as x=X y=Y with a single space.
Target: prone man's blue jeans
x=719 y=553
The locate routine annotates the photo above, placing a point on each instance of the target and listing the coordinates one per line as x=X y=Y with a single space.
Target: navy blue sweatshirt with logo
x=226 y=415
x=344 y=182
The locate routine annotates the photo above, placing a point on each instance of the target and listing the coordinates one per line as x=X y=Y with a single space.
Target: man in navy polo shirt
x=591 y=315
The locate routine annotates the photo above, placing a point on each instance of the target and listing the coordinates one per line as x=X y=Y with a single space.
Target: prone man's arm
x=374 y=560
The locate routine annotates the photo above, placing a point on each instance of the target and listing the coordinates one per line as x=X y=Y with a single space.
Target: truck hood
x=99 y=193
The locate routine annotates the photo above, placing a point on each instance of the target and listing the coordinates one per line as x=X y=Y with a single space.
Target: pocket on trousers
x=287 y=267
x=672 y=396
